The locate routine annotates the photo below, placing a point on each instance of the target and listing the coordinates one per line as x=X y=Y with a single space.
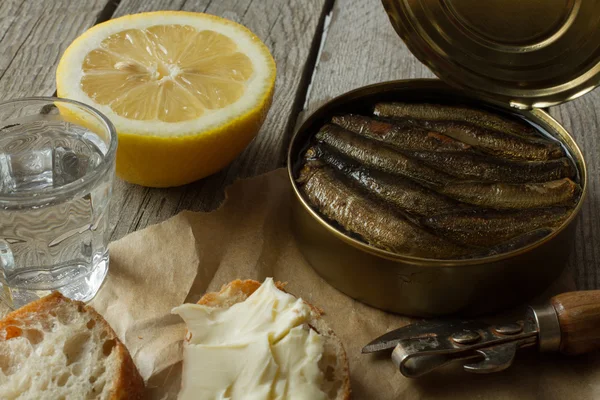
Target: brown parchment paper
x=158 y=268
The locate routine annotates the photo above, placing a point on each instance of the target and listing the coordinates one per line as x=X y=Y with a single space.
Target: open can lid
x=527 y=53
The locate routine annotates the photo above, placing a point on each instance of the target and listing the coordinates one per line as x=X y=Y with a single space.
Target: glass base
x=84 y=288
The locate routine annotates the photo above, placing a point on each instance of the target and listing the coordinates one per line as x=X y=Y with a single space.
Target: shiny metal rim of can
x=528 y=54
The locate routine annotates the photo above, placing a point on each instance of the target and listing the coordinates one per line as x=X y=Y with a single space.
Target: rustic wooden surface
x=322 y=47
x=581 y=117
x=33 y=36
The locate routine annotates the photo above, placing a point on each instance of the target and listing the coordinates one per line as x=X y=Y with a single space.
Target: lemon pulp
x=167 y=72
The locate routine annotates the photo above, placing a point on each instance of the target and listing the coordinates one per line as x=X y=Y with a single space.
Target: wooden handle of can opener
x=579 y=319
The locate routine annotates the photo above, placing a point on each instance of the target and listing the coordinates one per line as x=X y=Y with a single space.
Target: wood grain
x=33 y=36
x=579 y=319
x=581 y=117
x=291 y=30
x=361 y=48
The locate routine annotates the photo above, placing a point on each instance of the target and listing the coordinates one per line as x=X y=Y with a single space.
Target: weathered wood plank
x=11 y=26
x=33 y=36
x=361 y=47
x=289 y=29
x=581 y=117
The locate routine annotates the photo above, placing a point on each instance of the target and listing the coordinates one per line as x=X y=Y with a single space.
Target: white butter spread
x=254 y=350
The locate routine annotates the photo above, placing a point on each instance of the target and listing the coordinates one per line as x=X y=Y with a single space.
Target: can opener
x=569 y=323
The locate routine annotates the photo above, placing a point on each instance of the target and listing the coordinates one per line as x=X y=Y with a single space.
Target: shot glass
x=57 y=166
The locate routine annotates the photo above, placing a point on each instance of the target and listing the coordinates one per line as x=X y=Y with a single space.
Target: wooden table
x=322 y=48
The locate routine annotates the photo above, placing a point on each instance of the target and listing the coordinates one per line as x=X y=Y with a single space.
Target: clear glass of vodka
x=57 y=166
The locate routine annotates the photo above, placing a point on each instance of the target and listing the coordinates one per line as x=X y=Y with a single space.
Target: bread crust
x=129 y=385
x=238 y=290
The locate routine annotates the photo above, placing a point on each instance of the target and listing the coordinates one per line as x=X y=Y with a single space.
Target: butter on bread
x=302 y=359
x=57 y=348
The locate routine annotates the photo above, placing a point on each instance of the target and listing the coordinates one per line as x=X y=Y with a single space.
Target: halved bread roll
x=57 y=348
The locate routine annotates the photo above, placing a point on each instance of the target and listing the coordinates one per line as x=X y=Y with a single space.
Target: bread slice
x=334 y=362
x=56 y=348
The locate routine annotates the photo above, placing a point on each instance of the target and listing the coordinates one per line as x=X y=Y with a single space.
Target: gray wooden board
x=361 y=48
x=33 y=36
x=289 y=29
x=581 y=117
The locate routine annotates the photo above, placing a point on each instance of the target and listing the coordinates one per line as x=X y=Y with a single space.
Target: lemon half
x=186 y=91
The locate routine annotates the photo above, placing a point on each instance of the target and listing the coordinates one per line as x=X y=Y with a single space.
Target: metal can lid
x=528 y=53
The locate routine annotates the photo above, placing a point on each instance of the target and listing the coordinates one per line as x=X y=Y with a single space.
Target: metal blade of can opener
x=424 y=346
